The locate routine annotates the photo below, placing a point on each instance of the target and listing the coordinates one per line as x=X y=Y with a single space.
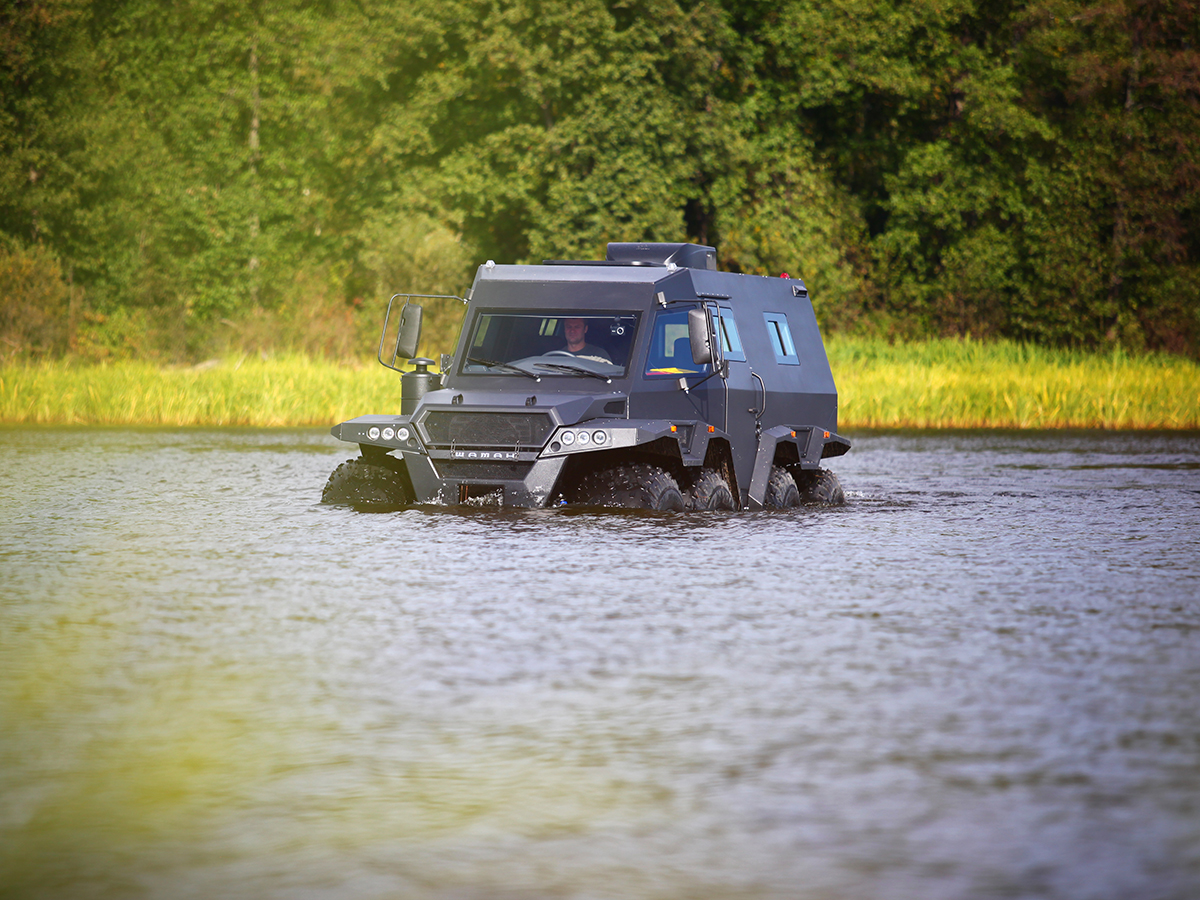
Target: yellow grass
x=968 y=384
x=294 y=390
x=932 y=384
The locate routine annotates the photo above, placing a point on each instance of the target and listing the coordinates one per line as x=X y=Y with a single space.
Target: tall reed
x=289 y=390
x=930 y=384
x=956 y=383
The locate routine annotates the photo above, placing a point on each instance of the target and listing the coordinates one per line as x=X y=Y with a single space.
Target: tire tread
x=711 y=491
x=365 y=486
x=632 y=486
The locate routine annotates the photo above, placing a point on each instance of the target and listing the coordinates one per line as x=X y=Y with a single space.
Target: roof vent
x=688 y=256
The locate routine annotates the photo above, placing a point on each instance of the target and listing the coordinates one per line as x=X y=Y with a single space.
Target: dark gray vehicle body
x=497 y=435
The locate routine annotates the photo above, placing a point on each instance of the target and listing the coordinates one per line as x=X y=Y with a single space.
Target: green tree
x=1116 y=248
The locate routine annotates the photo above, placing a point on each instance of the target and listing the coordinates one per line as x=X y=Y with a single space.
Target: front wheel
x=367 y=487
x=632 y=486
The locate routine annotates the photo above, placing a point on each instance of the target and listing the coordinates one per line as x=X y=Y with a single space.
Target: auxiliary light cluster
x=580 y=437
x=400 y=434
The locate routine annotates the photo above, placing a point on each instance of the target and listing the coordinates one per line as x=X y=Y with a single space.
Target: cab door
x=743 y=396
x=668 y=361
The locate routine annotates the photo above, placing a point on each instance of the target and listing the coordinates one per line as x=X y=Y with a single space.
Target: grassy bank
x=967 y=384
x=934 y=384
x=285 y=390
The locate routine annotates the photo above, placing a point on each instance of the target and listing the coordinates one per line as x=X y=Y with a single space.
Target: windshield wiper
x=504 y=367
x=578 y=370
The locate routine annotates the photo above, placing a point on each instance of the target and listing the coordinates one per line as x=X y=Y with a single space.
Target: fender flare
x=812 y=445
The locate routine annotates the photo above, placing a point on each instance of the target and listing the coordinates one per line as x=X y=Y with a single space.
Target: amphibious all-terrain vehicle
x=647 y=379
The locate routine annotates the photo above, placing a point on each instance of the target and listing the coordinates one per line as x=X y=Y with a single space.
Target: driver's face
x=574 y=329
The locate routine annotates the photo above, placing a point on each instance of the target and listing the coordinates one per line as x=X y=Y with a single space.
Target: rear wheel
x=821 y=486
x=632 y=486
x=782 y=492
x=711 y=491
x=366 y=486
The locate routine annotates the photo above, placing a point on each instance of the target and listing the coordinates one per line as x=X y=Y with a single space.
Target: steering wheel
x=559 y=353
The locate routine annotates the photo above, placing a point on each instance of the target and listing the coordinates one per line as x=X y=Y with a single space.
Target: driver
x=575 y=330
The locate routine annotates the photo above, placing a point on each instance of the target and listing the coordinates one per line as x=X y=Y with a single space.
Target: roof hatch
x=683 y=256
x=687 y=256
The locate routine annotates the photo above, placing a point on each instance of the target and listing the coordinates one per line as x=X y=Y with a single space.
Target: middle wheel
x=711 y=491
x=782 y=492
x=632 y=486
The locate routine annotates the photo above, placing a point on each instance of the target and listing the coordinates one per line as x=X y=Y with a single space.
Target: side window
x=670 y=348
x=781 y=339
x=731 y=343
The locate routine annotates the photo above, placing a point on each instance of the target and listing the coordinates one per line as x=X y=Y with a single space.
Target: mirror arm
x=717 y=370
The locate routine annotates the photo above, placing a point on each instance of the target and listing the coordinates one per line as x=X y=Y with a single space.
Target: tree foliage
x=929 y=166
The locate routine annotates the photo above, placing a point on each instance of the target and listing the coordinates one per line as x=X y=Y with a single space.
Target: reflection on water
x=978 y=678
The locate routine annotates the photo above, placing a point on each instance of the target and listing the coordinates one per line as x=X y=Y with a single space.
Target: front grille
x=491 y=471
x=487 y=429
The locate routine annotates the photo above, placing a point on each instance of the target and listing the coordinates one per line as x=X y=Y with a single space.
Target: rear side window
x=731 y=343
x=781 y=339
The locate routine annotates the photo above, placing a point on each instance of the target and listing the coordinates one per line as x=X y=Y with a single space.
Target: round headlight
x=599 y=437
x=568 y=438
x=402 y=433
x=388 y=434
x=373 y=433
x=583 y=437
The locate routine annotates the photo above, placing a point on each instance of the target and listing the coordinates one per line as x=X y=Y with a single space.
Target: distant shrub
x=35 y=304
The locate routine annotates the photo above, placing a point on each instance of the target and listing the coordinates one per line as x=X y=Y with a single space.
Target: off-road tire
x=632 y=486
x=366 y=486
x=821 y=486
x=711 y=491
x=782 y=492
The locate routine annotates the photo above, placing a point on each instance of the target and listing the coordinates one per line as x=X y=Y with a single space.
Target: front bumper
x=516 y=475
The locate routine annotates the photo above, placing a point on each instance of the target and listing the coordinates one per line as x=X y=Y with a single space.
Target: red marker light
x=785 y=275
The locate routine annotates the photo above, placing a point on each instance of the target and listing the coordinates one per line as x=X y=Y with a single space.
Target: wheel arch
x=663 y=452
x=381 y=456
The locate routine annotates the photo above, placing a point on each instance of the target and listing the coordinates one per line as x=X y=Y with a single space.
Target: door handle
x=758 y=413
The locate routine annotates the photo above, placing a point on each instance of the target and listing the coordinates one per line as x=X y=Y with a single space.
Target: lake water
x=978 y=678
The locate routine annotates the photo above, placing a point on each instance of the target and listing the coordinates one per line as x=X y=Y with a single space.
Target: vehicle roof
x=739 y=288
x=618 y=274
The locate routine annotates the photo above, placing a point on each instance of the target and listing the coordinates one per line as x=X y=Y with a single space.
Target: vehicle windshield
x=550 y=342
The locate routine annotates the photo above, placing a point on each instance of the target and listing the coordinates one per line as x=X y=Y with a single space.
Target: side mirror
x=409 y=334
x=699 y=337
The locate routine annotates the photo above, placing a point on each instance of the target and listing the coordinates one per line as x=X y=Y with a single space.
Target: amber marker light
x=827 y=434
x=673 y=428
x=711 y=429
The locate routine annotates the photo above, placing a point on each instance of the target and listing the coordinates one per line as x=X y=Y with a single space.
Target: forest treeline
x=176 y=173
